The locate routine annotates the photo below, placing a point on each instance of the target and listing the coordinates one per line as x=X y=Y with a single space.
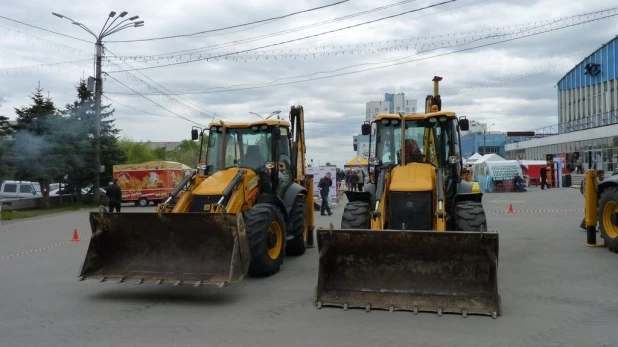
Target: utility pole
x=98 y=93
x=485 y=138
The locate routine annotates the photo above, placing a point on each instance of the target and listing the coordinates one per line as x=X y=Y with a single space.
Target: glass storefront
x=599 y=153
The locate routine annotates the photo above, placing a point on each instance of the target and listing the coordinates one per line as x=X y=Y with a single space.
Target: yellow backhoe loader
x=247 y=204
x=416 y=239
x=601 y=209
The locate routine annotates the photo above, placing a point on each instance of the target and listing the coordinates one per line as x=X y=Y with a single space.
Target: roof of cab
x=280 y=122
x=415 y=116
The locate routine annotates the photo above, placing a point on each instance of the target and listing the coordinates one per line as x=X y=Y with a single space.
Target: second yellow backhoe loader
x=416 y=239
x=247 y=205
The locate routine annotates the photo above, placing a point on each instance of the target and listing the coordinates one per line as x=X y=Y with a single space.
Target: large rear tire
x=470 y=216
x=265 y=228
x=356 y=215
x=297 y=227
x=608 y=206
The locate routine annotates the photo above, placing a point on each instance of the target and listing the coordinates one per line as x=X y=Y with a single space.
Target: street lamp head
x=134 y=18
x=123 y=13
x=141 y=22
x=139 y=25
x=112 y=14
x=57 y=15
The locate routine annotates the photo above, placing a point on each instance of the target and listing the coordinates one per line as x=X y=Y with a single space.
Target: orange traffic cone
x=75 y=236
x=511 y=208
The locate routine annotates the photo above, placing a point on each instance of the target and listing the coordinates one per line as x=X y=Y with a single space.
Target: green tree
x=5 y=165
x=136 y=152
x=5 y=126
x=187 y=152
x=161 y=153
x=79 y=129
x=37 y=154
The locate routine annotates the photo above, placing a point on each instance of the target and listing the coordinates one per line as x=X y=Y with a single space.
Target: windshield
x=249 y=148
x=388 y=141
x=426 y=142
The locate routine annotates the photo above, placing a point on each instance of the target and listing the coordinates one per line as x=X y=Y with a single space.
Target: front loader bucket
x=443 y=272
x=178 y=248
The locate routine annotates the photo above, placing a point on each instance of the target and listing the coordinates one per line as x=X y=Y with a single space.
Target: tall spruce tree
x=80 y=120
x=5 y=163
x=36 y=152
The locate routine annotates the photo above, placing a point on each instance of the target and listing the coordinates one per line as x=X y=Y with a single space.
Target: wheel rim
x=275 y=240
x=609 y=209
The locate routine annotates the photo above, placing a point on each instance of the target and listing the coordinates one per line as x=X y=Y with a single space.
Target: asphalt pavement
x=555 y=292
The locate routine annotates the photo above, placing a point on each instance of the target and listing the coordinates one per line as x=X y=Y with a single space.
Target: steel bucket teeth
x=418 y=271
x=175 y=248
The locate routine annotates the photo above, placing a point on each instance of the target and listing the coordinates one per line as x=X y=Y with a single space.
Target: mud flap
x=443 y=272
x=176 y=248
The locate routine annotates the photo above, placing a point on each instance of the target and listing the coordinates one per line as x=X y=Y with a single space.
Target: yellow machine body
x=223 y=224
x=417 y=239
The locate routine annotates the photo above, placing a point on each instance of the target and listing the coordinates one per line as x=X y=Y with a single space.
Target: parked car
x=19 y=190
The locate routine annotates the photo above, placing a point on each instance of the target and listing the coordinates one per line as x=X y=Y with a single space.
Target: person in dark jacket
x=114 y=195
x=324 y=186
x=544 y=178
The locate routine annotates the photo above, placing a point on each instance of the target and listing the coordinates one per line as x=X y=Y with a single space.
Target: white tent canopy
x=489 y=157
x=473 y=158
x=478 y=169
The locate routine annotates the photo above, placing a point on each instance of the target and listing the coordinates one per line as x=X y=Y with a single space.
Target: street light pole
x=106 y=31
x=485 y=138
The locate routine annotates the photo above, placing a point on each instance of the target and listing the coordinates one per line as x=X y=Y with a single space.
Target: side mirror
x=464 y=124
x=366 y=128
x=194 y=134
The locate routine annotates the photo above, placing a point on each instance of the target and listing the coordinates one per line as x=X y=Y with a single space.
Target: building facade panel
x=587 y=115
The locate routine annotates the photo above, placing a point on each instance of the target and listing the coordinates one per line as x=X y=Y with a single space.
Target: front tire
x=356 y=215
x=470 y=216
x=608 y=207
x=297 y=227
x=265 y=228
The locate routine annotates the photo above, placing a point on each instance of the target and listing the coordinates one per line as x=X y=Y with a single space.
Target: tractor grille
x=199 y=201
x=412 y=209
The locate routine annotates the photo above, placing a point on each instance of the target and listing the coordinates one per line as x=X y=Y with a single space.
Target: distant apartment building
x=393 y=103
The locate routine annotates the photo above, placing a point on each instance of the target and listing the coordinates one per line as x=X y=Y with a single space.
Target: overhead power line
x=408 y=61
x=515 y=34
x=235 y=26
x=163 y=107
x=365 y=46
x=135 y=109
x=283 y=32
x=49 y=31
x=297 y=39
x=194 y=107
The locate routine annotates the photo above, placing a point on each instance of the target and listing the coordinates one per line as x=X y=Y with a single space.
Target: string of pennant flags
x=424 y=43
x=370 y=47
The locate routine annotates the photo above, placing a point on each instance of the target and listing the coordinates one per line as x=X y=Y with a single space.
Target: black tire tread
x=296 y=226
x=257 y=219
x=356 y=215
x=470 y=216
x=609 y=194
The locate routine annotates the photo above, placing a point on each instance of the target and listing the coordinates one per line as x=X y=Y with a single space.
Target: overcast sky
x=507 y=83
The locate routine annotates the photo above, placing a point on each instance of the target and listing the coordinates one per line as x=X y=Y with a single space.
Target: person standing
x=324 y=185
x=544 y=178
x=114 y=194
x=580 y=166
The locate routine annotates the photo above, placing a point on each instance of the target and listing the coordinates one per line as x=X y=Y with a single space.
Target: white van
x=18 y=189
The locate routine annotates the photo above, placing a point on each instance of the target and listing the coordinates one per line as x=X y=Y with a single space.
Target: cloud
x=510 y=84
